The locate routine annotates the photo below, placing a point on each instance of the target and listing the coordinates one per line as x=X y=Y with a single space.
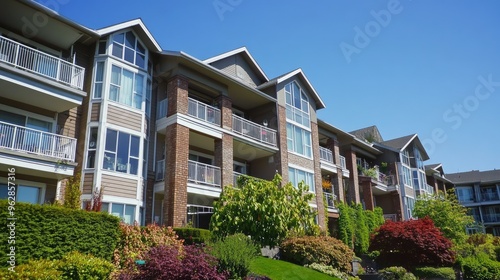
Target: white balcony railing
x=342 y=162
x=253 y=130
x=200 y=173
x=235 y=178
x=160 y=170
x=203 y=111
x=38 y=62
x=330 y=200
x=326 y=155
x=37 y=142
x=161 y=111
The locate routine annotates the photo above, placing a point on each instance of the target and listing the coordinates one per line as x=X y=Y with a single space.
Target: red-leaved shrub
x=411 y=244
x=191 y=263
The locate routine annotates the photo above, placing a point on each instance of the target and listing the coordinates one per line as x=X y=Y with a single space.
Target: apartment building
x=436 y=178
x=45 y=69
x=479 y=191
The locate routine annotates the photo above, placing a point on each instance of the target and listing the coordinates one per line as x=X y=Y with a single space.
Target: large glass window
x=127 y=47
x=92 y=145
x=297 y=104
x=465 y=194
x=24 y=193
x=298 y=140
x=410 y=204
x=123 y=211
x=407 y=176
x=406 y=157
x=296 y=176
x=99 y=75
x=121 y=152
x=126 y=87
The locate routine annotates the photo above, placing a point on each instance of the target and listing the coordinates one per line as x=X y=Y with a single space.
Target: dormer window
x=127 y=47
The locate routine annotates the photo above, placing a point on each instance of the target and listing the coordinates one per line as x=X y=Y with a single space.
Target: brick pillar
x=226 y=108
x=398 y=205
x=177 y=95
x=333 y=145
x=281 y=157
x=366 y=184
x=148 y=207
x=224 y=158
x=176 y=175
x=317 y=177
x=353 y=195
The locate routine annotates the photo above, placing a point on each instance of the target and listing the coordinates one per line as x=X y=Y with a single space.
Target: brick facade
x=337 y=180
x=224 y=158
x=368 y=198
x=353 y=192
x=317 y=177
x=281 y=157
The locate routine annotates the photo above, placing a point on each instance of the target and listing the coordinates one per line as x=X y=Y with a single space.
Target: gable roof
x=474 y=176
x=246 y=55
x=434 y=166
x=297 y=72
x=372 y=131
x=139 y=27
x=401 y=143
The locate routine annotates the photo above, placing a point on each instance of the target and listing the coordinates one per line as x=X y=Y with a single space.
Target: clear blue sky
x=415 y=72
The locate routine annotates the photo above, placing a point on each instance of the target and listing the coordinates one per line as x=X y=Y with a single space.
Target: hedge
x=49 y=232
x=193 y=235
x=445 y=273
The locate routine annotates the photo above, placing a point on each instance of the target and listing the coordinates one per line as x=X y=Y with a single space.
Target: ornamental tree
x=411 y=244
x=265 y=210
x=446 y=213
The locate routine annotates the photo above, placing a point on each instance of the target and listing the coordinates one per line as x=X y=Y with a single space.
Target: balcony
x=342 y=162
x=489 y=196
x=330 y=200
x=160 y=170
x=161 y=112
x=35 y=61
x=491 y=218
x=254 y=131
x=200 y=173
x=204 y=112
x=326 y=155
x=36 y=142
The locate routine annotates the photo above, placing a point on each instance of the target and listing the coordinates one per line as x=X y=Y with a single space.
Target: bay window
x=126 y=87
x=298 y=140
x=126 y=46
x=121 y=152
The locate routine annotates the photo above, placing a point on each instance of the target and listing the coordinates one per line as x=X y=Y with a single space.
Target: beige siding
x=409 y=191
x=301 y=161
x=88 y=182
x=226 y=65
x=124 y=118
x=95 y=113
x=117 y=186
x=244 y=72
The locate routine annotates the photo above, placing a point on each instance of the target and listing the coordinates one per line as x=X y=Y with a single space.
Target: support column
x=398 y=205
x=176 y=175
x=333 y=145
x=224 y=158
x=177 y=95
x=318 y=179
x=281 y=157
x=366 y=184
x=353 y=195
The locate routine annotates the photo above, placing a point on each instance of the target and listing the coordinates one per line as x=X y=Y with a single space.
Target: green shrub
x=235 y=253
x=193 y=235
x=317 y=249
x=49 y=232
x=84 y=267
x=445 y=273
x=33 y=270
x=480 y=267
x=396 y=273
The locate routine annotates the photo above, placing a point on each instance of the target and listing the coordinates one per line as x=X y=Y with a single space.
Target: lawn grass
x=281 y=270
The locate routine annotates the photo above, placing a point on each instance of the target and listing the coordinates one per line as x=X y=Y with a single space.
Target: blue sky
x=425 y=67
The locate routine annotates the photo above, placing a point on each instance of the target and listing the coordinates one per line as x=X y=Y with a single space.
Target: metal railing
x=491 y=218
x=326 y=155
x=193 y=209
x=161 y=111
x=489 y=196
x=253 y=130
x=160 y=170
x=203 y=111
x=201 y=173
x=330 y=200
x=342 y=162
x=35 y=61
x=37 y=142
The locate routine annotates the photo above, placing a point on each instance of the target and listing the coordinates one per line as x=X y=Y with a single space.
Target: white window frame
x=102 y=82
x=135 y=72
x=306 y=137
x=122 y=216
x=115 y=152
x=125 y=47
x=90 y=149
x=312 y=186
x=28 y=114
x=41 y=186
x=304 y=102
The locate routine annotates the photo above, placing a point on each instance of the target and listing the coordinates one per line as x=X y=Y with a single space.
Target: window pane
x=99 y=71
x=117 y=210
x=28 y=194
x=111 y=136
x=130 y=40
x=12 y=118
x=102 y=47
x=134 y=166
x=109 y=161
x=288 y=97
x=299 y=143
x=122 y=155
x=115 y=75
x=134 y=146
x=296 y=96
x=129 y=55
x=39 y=125
x=98 y=90
x=3 y=191
x=140 y=60
x=114 y=93
x=91 y=159
x=118 y=38
x=117 y=50
x=140 y=48
x=127 y=88
x=105 y=207
x=129 y=214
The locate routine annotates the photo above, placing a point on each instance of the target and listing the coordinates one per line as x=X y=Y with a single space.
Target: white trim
x=129 y=24
x=31 y=115
x=300 y=168
x=237 y=51
x=203 y=190
x=37 y=164
x=122 y=200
